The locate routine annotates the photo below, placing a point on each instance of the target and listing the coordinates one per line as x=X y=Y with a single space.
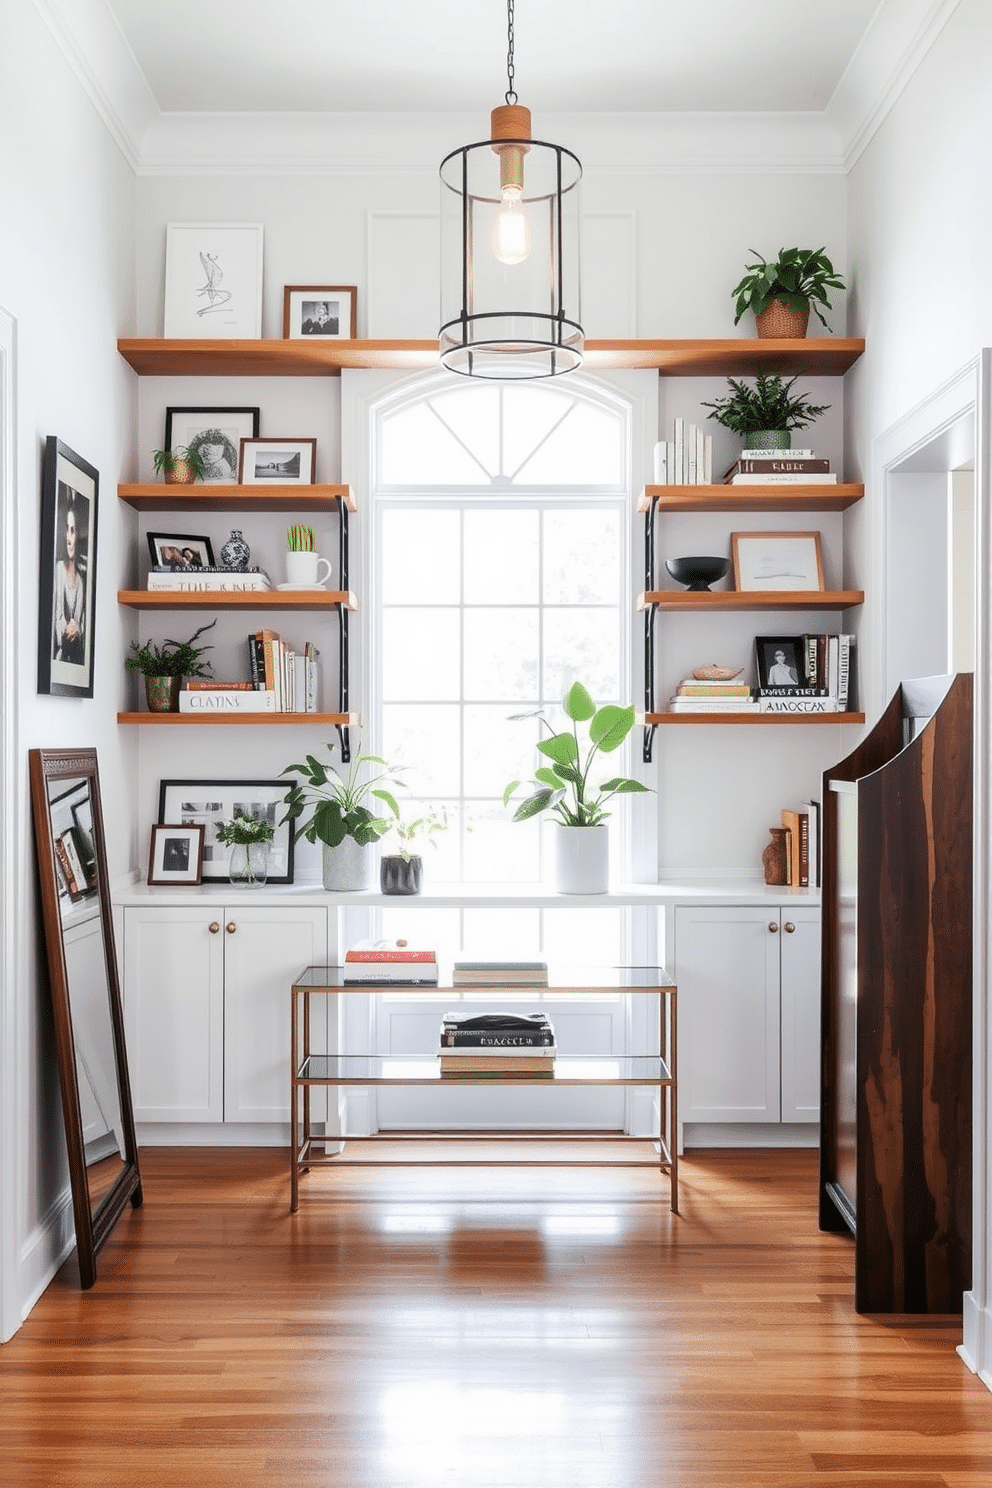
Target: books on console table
x=530 y=1032
x=540 y=1064
x=390 y=963
x=467 y=973
x=374 y=951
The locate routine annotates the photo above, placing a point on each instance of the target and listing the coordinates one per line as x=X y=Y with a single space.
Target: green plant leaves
x=540 y=801
x=577 y=704
x=610 y=727
x=561 y=748
x=769 y=404
x=798 y=276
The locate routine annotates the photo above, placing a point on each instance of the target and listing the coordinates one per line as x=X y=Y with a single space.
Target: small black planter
x=401 y=875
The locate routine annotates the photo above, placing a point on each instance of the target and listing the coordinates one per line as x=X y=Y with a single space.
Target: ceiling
x=603 y=56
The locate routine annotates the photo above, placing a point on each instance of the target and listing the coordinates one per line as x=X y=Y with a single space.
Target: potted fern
x=164 y=666
x=179 y=467
x=782 y=293
x=765 y=414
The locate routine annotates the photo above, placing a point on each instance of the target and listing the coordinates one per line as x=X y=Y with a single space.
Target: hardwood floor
x=511 y=1328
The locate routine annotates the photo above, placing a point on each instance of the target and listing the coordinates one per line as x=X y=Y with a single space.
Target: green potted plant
x=564 y=790
x=344 y=813
x=164 y=666
x=248 y=837
x=302 y=559
x=179 y=467
x=782 y=293
x=402 y=872
x=764 y=415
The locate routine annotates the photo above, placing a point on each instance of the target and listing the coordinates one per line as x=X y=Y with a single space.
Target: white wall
x=67 y=279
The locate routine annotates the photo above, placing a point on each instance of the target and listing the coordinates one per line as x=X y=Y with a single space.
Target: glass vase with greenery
x=248 y=836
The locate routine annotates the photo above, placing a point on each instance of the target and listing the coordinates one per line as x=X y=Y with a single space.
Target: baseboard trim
x=49 y=1244
x=753 y=1135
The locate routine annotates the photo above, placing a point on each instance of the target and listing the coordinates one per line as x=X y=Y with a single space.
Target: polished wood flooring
x=482 y=1328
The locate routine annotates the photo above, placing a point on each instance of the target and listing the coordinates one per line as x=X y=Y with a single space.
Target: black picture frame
x=196 y=545
x=765 y=651
x=190 y=427
x=210 y=802
x=70 y=492
x=175 y=854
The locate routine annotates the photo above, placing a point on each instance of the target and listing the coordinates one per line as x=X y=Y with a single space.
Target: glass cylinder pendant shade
x=510 y=255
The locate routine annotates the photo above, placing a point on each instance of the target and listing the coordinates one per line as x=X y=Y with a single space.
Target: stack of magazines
x=497 y=1044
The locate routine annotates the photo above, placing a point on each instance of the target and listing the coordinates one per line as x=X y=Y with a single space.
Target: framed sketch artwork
x=777 y=560
x=67 y=580
x=215 y=434
x=213 y=280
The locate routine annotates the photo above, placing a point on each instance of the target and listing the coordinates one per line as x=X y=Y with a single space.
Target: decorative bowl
x=715 y=673
x=697 y=573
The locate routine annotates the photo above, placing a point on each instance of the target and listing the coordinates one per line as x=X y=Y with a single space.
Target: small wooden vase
x=775 y=857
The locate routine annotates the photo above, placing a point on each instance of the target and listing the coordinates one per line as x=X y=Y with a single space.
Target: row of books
x=497 y=1043
x=822 y=684
x=282 y=680
x=799 y=467
x=397 y=963
x=167 y=576
x=686 y=459
x=802 y=837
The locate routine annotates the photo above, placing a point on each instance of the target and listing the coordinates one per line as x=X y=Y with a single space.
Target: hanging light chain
x=511 y=95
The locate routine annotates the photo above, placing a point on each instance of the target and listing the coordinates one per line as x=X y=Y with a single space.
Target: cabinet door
x=727 y=970
x=174 y=1012
x=265 y=950
x=800 y=951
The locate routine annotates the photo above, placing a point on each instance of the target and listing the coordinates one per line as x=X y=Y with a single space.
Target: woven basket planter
x=780 y=322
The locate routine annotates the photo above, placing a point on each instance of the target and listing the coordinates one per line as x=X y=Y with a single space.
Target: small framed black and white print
x=175 y=855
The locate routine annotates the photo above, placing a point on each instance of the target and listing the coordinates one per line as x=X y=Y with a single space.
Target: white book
x=691 y=433
x=798 y=705
x=777 y=454
x=661 y=463
x=707 y=459
x=678 y=472
x=712 y=705
x=190 y=581
x=845 y=644
x=227 y=702
x=829 y=478
x=389 y=972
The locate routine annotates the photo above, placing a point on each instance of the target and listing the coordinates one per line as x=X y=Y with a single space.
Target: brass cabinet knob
x=230 y=927
x=213 y=927
x=789 y=927
x=773 y=926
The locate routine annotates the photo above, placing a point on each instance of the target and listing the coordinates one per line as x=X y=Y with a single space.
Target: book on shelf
x=497 y=1031
x=492 y=1062
x=820 y=662
x=797 y=823
x=224 y=579
x=687 y=458
x=275 y=666
x=777 y=465
x=469 y=973
x=827 y=479
x=392 y=951
x=227 y=700
x=798 y=705
x=812 y=807
x=712 y=705
x=769 y=454
x=211 y=684
x=690 y=687
x=389 y=974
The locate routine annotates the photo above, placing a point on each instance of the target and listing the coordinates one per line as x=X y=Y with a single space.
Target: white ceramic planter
x=349 y=867
x=582 y=859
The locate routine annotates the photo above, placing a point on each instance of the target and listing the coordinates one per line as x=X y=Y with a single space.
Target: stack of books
x=695 y=696
x=499 y=973
x=204 y=695
x=762 y=467
x=282 y=680
x=802 y=836
x=166 y=576
x=390 y=963
x=822 y=677
x=686 y=459
x=497 y=1043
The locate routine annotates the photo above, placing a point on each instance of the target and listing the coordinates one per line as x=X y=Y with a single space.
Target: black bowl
x=697 y=573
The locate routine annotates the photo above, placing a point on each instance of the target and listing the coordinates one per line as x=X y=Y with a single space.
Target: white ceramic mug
x=304 y=568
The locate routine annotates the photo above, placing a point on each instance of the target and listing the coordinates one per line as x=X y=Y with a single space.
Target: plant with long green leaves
x=769 y=404
x=339 y=805
x=563 y=786
x=799 y=277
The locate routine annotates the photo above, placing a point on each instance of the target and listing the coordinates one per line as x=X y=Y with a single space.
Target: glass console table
x=312 y=1068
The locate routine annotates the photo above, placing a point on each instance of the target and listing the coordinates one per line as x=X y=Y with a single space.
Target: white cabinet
x=206 y=1007
x=749 y=1022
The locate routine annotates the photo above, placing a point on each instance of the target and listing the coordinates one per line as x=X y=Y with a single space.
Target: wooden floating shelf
x=751 y=599
x=207 y=497
x=237 y=599
x=724 y=498
x=734 y=356
x=234 y=720
x=650 y=720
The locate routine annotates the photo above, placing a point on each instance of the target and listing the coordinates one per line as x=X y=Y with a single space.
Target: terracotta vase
x=775 y=857
x=781 y=323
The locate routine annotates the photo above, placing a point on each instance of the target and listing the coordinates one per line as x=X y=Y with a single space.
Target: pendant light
x=510 y=250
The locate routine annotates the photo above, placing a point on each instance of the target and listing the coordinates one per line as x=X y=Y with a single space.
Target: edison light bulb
x=511 y=230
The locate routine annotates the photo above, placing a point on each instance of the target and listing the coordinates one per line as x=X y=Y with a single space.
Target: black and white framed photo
x=67 y=582
x=777 y=560
x=213 y=280
x=780 y=661
x=278 y=462
x=175 y=854
x=215 y=434
x=180 y=550
x=210 y=803
x=320 y=311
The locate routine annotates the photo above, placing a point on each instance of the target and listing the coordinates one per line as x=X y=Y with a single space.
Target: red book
x=389 y=950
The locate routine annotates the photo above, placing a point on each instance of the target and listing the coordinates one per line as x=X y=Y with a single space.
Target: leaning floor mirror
x=86 y=998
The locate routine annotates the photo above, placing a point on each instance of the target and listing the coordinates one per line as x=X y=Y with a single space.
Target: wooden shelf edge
x=751 y=599
x=722 y=497
x=651 y=720
x=157 y=496
x=232 y=720
x=240 y=599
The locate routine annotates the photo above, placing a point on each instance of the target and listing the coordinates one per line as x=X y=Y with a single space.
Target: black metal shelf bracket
x=344 y=679
x=649 y=619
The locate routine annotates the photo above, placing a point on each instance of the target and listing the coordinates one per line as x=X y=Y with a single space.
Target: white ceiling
x=450 y=55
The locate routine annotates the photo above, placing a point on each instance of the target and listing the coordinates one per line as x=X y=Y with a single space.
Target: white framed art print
x=213 y=280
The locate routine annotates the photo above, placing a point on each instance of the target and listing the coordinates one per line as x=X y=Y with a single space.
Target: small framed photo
x=278 y=462
x=780 y=661
x=327 y=311
x=210 y=803
x=215 y=434
x=175 y=855
x=213 y=280
x=67 y=581
x=180 y=550
x=777 y=560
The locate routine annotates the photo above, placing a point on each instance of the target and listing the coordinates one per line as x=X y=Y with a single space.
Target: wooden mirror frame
x=93 y=1222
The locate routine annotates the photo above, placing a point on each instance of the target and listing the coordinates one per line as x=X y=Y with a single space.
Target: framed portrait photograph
x=278 y=462
x=329 y=311
x=777 y=560
x=175 y=854
x=213 y=280
x=70 y=489
x=215 y=434
x=780 y=661
x=210 y=803
x=180 y=550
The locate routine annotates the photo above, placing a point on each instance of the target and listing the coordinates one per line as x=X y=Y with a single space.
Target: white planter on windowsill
x=350 y=866
x=582 y=859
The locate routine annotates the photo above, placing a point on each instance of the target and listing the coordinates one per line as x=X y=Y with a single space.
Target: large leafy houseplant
x=336 y=805
x=799 y=278
x=563 y=784
x=769 y=404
